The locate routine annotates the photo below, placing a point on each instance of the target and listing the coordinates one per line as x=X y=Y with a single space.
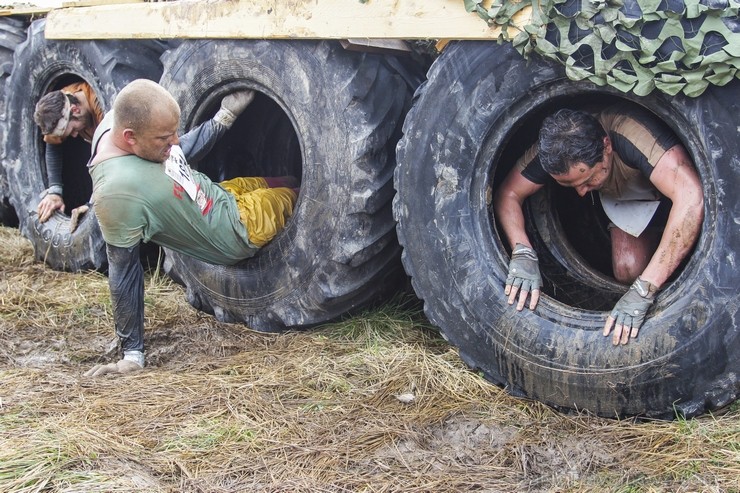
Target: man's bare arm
x=507 y=205
x=675 y=177
x=523 y=267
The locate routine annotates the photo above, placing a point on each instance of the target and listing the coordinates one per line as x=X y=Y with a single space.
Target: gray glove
x=524 y=276
x=629 y=312
x=232 y=106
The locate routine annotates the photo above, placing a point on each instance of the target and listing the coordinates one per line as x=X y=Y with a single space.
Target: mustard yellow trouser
x=263 y=210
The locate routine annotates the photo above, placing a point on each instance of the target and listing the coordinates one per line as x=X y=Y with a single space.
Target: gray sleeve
x=126 y=282
x=199 y=141
x=54 y=161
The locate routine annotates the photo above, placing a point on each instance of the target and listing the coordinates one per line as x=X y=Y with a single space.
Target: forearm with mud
x=679 y=236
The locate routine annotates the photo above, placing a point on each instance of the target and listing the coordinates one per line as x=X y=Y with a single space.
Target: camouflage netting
x=633 y=45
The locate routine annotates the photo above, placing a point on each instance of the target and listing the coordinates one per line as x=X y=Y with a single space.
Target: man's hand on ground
x=524 y=277
x=74 y=219
x=629 y=314
x=123 y=366
x=48 y=205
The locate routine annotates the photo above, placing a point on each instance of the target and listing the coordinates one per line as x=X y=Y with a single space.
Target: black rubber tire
x=12 y=33
x=328 y=116
x=43 y=65
x=458 y=142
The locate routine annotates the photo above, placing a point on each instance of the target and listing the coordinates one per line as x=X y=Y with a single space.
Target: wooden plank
x=42 y=7
x=29 y=8
x=94 y=3
x=314 y=19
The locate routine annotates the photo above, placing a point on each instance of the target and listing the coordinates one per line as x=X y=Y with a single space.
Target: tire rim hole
x=570 y=232
x=262 y=142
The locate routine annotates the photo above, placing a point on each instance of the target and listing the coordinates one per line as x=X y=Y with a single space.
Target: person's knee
x=630 y=255
x=627 y=270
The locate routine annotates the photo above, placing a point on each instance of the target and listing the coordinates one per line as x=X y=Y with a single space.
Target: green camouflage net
x=633 y=45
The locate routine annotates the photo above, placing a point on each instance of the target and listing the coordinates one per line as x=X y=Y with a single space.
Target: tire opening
x=569 y=232
x=262 y=142
x=76 y=154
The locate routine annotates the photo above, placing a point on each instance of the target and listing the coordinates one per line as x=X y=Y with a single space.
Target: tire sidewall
x=557 y=353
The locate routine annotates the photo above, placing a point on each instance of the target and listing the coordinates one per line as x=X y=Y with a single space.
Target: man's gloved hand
x=74 y=219
x=122 y=366
x=524 y=277
x=50 y=203
x=629 y=312
x=232 y=106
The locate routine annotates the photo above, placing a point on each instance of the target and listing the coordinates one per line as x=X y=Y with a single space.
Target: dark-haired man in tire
x=635 y=162
x=73 y=111
x=144 y=190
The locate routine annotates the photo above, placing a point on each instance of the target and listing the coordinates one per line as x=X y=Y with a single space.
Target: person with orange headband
x=71 y=112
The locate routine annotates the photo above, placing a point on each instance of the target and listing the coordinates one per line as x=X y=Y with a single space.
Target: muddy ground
x=378 y=402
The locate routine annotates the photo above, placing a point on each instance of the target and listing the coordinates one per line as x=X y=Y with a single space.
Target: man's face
x=154 y=143
x=74 y=127
x=585 y=179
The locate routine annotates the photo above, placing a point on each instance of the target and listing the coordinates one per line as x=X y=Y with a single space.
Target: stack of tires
x=327 y=116
x=332 y=118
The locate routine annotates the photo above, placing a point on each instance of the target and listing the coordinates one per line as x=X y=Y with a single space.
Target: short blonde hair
x=138 y=102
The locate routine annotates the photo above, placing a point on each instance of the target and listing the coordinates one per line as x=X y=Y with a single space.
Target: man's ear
x=607 y=144
x=75 y=109
x=129 y=136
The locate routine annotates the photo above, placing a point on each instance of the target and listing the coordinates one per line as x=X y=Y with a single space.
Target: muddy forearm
x=679 y=236
x=511 y=218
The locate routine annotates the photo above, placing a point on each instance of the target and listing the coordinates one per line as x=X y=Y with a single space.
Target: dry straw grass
x=377 y=403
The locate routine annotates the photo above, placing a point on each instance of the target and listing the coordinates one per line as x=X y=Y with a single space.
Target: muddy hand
x=628 y=314
x=524 y=277
x=48 y=205
x=122 y=367
x=74 y=219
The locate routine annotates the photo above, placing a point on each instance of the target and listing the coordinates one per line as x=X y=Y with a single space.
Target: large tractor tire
x=12 y=33
x=41 y=66
x=332 y=119
x=480 y=108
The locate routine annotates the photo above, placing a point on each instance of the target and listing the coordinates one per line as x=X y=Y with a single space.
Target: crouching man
x=144 y=190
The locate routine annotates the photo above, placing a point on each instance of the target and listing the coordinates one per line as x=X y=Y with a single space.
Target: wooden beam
x=30 y=8
x=95 y=3
x=287 y=19
x=43 y=7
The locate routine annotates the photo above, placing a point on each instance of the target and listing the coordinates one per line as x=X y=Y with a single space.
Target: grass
x=376 y=403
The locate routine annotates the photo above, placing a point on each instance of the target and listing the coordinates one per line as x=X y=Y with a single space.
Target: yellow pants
x=263 y=210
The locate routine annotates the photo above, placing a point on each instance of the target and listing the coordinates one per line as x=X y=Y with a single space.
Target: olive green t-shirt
x=135 y=200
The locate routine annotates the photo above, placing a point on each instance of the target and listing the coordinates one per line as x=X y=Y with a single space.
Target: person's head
x=146 y=116
x=575 y=150
x=61 y=115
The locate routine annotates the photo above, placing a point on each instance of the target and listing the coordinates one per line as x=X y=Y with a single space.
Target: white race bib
x=177 y=168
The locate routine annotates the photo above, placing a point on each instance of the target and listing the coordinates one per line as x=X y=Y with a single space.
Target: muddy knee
x=630 y=255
